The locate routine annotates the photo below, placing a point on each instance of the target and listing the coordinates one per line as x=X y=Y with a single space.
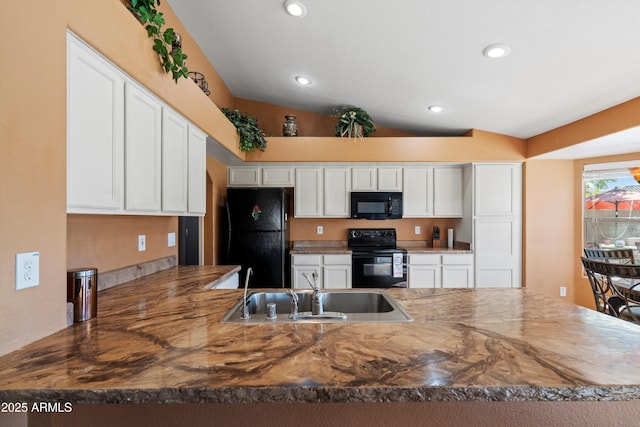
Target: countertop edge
x=301 y=394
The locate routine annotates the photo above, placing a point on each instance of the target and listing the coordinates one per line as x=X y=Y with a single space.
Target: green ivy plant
x=172 y=60
x=251 y=136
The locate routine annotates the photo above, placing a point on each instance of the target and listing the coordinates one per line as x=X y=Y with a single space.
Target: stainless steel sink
x=340 y=306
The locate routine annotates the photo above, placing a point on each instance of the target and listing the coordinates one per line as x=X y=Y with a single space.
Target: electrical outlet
x=563 y=291
x=416 y=229
x=27 y=270
x=171 y=239
x=319 y=229
x=142 y=243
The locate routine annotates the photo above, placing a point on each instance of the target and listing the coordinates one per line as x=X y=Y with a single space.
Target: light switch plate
x=27 y=270
x=142 y=243
x=171 y=239
x=319 y=229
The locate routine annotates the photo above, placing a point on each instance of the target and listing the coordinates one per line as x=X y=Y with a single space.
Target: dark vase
x=290 y=127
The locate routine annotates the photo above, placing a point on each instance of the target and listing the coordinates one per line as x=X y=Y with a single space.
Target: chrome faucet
x=245 y=307
x=294 y=302
x=316 y=300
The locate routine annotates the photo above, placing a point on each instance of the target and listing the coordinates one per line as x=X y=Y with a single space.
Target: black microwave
x=376 y=205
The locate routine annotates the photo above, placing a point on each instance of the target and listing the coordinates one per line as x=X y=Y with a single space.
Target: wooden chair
x=619 y=256
x=616 y=288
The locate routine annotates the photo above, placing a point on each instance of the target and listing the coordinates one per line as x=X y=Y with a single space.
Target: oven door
x=379 y=270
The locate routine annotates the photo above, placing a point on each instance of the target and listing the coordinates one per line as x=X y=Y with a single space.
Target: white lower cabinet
x=334 y=270
x=440 y=270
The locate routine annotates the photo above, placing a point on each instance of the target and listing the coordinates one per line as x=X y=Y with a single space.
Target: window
x=611 y=206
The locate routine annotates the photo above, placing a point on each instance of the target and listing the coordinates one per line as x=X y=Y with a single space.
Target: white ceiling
x=569 y=59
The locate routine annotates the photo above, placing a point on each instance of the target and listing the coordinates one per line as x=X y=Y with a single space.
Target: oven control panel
x=372 y=237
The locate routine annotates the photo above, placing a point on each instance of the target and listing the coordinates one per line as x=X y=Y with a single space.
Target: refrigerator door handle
x=228 y=253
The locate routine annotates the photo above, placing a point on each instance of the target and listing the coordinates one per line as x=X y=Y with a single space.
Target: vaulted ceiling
x=568 y=59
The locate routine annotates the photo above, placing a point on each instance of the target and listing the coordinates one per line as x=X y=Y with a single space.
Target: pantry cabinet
x=497 y=224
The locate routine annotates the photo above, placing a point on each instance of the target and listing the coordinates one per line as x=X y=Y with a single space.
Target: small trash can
x=82 y=291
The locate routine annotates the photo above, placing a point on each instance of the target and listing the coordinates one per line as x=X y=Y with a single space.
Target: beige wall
x=548 y=226
x=109 y=242
x=33 y=149
x=271 y=117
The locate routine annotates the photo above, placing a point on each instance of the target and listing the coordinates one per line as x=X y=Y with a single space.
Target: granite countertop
x=159 y=339
x=320 y=250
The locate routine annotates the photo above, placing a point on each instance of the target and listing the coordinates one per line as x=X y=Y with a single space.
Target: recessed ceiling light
x=436 y=108
x=295 y=8
x=497 y=50
x=305 y=81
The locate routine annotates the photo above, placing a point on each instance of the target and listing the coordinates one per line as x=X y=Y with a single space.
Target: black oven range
x=376 y=261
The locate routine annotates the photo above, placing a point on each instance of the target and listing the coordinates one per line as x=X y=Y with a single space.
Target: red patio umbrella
x=626 y=198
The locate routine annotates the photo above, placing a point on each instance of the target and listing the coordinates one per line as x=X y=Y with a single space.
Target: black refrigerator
x=258 y=235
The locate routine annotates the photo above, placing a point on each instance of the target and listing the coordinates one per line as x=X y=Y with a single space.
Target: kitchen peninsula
x=158 y=339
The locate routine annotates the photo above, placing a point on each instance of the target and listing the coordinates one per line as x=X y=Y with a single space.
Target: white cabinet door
x=424 y=276
x=498 y=189
x=197 y=179
x=309 y=193
x=336 y=192
x=244 y=177
x=447 y=192
x=298 y=281
x=95 y=133
x=364 y=179
x=278 y=176
x=336 y=276
x=498 y=225
x=389 y=179
x=143 y=130
x=497 y=252
x=175 y=162
x=457 y=276
x=417 y=196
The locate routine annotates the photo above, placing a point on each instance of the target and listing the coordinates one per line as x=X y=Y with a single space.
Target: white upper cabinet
x=371 y=178
x=175 y=162
x=127 y=152
x=265 y=176
x=417 y=197
x=244 y=176
x=197 y=176
x=336 y=192
x=389 y=179
x=95 y=131
x=447 y=192
x=364 y=179
x=143 y=145
x=275 y=176
x=309 y=192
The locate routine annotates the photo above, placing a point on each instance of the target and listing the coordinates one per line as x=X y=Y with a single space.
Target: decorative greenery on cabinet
x=251 y=136
x=165 y=42
x=354 y=122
